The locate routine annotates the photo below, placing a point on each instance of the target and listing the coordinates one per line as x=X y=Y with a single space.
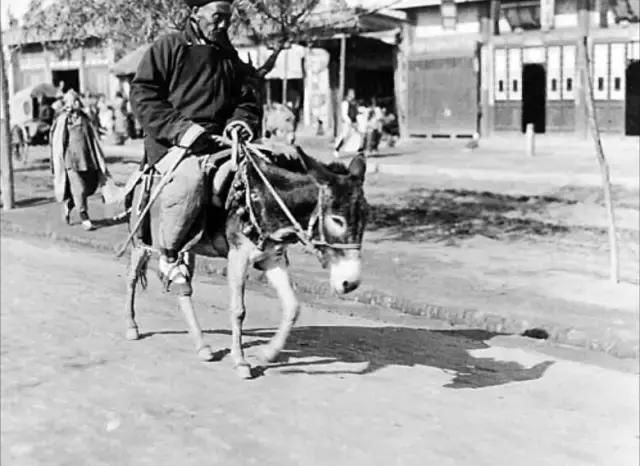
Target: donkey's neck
x=301 y=198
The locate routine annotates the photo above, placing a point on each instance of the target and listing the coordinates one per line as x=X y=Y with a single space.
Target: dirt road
x=349 y=390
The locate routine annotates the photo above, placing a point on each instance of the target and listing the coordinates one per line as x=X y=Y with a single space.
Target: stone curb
x=606 y=341
x=478 y=174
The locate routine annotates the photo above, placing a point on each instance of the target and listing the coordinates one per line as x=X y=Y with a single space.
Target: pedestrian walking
x=77 y=161
x=189 y=86
x=348 y=116
x=18 y=144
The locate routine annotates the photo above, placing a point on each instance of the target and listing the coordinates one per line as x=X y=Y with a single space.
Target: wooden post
x=530 y=136
x=614 y=267
x=484 y=75
x=6 y=165
x=82 y=72
x=285 y=56
x=494 y=14
x=341 y=78
x=581 y=120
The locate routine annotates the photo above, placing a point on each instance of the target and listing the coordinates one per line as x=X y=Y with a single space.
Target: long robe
x=78 y=153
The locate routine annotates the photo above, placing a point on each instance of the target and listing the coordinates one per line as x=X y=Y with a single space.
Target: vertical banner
x=547 y=13
x=317 y=89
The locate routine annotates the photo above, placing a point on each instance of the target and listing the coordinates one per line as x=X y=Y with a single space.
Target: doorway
x=534 y=97
x=632 y=99
x=71 y=79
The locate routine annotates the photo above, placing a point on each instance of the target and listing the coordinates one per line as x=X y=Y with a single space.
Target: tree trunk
x=614 y=272
x=268 y=65
x=6 y=168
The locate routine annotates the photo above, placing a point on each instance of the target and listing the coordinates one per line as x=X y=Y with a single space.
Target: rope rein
x=305 y=237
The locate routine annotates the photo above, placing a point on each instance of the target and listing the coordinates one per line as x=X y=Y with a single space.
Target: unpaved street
x=349 y=390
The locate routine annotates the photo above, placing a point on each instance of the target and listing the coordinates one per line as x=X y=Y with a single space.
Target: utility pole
x=614 y=265
x=6 y=168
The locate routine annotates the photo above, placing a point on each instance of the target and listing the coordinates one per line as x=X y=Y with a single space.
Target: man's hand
x=205 y=144
x=241 y=129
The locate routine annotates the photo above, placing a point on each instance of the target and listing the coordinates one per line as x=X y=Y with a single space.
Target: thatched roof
x=128 y=64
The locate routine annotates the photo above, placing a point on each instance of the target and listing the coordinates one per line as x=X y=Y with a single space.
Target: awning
x=21 y=105
x=625 y=10
x=523 y=15
x=128 y=64
x=288 y=63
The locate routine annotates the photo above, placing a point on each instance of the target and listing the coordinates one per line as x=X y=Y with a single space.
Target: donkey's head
x=341 y=218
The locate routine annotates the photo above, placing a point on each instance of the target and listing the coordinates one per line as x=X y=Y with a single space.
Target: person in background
x=120 y=123
x=45 y=118
x=105 y=116
x=93 y=112
x=18 y=144
x=348 y=116
x=77 y=161
x=60 y=91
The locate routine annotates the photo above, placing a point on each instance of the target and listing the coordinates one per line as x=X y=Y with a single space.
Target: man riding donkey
x=190 y=88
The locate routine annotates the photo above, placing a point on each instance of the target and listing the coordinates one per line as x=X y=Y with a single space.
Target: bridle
x=316 y=222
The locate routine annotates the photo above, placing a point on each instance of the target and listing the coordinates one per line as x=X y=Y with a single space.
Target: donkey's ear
x=358 y=167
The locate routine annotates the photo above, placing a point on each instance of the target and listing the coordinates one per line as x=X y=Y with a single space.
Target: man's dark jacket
x=181 y=84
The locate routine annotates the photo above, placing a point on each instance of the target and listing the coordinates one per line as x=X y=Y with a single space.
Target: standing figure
x=348 y=115
x=189 y=86
x=77 y=161
x=105 y=116
x=120 y=122
x=18 y=144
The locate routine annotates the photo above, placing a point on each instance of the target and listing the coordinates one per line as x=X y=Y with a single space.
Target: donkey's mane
x=304 y=163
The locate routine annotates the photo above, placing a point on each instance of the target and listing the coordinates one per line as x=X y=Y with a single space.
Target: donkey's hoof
x=132 y=333
x=268 y=355
x=244 y=371
x=205 y=353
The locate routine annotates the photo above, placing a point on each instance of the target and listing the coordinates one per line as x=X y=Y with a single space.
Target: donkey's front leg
x=135 y=272
x=237 y=264
x=186 y=305
x=278 y=277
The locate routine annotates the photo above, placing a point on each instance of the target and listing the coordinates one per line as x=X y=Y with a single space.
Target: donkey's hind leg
x=186 y=306
x=237 y=265
x=278 y=277
x=136 y=271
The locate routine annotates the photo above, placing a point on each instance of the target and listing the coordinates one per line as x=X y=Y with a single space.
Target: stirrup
x=177 y=270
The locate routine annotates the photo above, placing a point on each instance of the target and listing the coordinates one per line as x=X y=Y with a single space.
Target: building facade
x=484 y=66
x=85 y=70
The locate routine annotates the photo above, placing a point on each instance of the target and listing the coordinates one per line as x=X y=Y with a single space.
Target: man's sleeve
x=149 y=99
x=248 y=110
x=345 y=111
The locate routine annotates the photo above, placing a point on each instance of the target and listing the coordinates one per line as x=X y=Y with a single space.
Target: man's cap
x=70 y=98
x=225 y=5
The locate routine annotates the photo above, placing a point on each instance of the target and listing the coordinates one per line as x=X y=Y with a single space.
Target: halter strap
x=305 y=237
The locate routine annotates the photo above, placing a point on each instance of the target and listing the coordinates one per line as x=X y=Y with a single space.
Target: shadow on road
x=446 y=214
x=380 y=347
x=34 y=201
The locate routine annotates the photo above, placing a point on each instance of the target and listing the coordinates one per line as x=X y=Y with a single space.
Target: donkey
x=266 y=206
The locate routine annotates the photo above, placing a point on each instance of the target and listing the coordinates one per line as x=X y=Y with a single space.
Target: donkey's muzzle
x=345 y=274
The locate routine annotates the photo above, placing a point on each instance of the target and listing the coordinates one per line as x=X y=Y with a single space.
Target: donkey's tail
x=141 y=273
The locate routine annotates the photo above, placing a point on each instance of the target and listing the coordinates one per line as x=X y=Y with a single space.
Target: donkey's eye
x=336 y=225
